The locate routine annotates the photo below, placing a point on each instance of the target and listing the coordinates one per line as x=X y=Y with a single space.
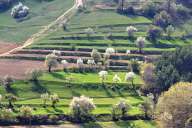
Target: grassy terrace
x=87 y=84
x=13 y=31
x=121 y=124
x=107 y=21
x=102 y=18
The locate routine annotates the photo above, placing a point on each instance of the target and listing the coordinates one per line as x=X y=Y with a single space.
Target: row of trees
x=167 y=112
x=80 y=109
x=173 y=8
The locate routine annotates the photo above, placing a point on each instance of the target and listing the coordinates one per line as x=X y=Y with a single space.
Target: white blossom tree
x=80 y=64
x=96 y=55
x=170 y=29
x=64 y=63
x=130 y=77
x=123 y=107
x=80 y=61
x=26 y=111
x=89 y=32
x=19 y=11
x=56 y=52
x=81 y=107
x=110 y=51
x=45 y=98
x=140 y=42
x=51 y=61
x=103 y=76
x=116 y=79
x=130 y=31
x=91 y=62
x=54 y=98
x=128 y=52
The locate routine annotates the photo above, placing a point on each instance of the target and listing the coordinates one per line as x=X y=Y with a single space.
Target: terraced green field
x=73 y=44
x=41 y=14
x=87 y=84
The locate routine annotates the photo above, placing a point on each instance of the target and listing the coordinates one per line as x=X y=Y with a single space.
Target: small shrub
x=163 y=19
x=154 y=33
x=7 y=81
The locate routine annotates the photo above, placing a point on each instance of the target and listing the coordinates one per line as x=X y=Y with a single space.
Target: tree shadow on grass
x=58 y=110
x=57 y=75
x=119 y=92
x=53 y=110
x=124 y=124
x=107 y=91
x=75 y=93
x=37 y=87
x=12 y=90
x=92 y=125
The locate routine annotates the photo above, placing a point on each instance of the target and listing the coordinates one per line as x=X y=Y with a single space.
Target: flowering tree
x=116 y=79
x=131 y=30
x=96 y=55
x=7 y=81
x=148 y=107
x=80 y=64
x=128 y=52
x=45 y=98
x=120 y=108
x=51 y=61
x=174 y=106
x=89 y=32
x=7 y=114
x=110 y=51
x=91 y=62
x=54 y=99
x=123 y=106
x=65 y=63
x=80 y=61
x=130 y=77
x=56 y=52
x=19 y=11
x=170 y=29
x=81 y=107
x=103 y=76
x=140 y=42
x=26 y=111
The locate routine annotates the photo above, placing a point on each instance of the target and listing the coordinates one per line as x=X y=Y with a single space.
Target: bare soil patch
x=17 y=68
x=6 y=46
x=104 y=6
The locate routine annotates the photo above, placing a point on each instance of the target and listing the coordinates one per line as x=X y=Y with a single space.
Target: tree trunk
x=49 y=69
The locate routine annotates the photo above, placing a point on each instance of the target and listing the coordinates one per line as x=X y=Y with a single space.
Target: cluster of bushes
x=164 y=13
x=172 y=100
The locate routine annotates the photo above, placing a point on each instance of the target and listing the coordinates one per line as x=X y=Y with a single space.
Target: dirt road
x=37 y=35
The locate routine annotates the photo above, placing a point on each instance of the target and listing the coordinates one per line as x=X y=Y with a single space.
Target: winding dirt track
x=37 y=35
x=17 y=68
